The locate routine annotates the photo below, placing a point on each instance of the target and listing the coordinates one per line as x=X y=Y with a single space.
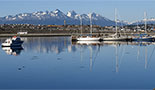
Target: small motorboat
x=13 y=42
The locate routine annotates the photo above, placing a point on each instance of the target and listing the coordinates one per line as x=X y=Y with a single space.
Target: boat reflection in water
x=104 y=43
x=93 y=47
x=119 y=50
x=97 y=44
x=13 y=50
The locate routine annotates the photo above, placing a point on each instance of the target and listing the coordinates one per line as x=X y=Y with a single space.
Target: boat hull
x=88 y=39
x=15 y=44
x=144 y=39
x=115 y=39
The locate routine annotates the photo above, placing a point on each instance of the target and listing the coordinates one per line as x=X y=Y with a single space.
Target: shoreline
x=35 y=35
x=63 y=34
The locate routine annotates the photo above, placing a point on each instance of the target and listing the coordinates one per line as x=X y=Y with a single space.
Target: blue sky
x=129 y=10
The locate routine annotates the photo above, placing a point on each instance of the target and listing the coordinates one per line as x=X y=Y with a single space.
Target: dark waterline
x=58 y=63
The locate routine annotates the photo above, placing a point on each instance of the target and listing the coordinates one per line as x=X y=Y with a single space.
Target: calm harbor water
x=58 y=63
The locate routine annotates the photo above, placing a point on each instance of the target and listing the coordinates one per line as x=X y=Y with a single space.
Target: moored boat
x=12 y=42
x=89 y=37
x=146 y=37
x=117 y=36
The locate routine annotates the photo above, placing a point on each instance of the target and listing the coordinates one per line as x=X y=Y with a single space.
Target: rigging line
x=151 y=56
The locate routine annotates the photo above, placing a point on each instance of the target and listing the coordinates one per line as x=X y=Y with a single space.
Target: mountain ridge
x=56 y=17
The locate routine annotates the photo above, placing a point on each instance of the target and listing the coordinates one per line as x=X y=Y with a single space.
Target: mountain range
x=149 y=21
x=57 y=17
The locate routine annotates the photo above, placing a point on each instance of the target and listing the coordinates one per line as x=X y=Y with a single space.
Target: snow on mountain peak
x=57 y=11
x=71 y=14
x=95 y=16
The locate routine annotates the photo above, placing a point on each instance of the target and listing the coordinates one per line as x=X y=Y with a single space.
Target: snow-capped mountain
x=56 y=17
x=149 y=21
x=72 y=14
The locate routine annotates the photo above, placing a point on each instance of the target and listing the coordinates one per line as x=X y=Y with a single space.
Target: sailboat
x=88 y=37
x=117 y=36
x=145 y=37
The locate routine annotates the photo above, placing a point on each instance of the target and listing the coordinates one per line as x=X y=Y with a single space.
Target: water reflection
x=93 y=46
x=12 y=50
x=103 y=43
x=119 y=50
x=44 y=45
x=54 y=62
x=47 y=44
x=64 y=44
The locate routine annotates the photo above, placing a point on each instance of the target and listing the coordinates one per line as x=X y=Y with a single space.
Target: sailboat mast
x=91 y=31
x=116 y=21
x=145 y=19
x=81 y=24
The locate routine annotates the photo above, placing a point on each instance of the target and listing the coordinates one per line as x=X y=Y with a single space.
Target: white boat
x=12 y=42
x=88 y=37
x=117 y=36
